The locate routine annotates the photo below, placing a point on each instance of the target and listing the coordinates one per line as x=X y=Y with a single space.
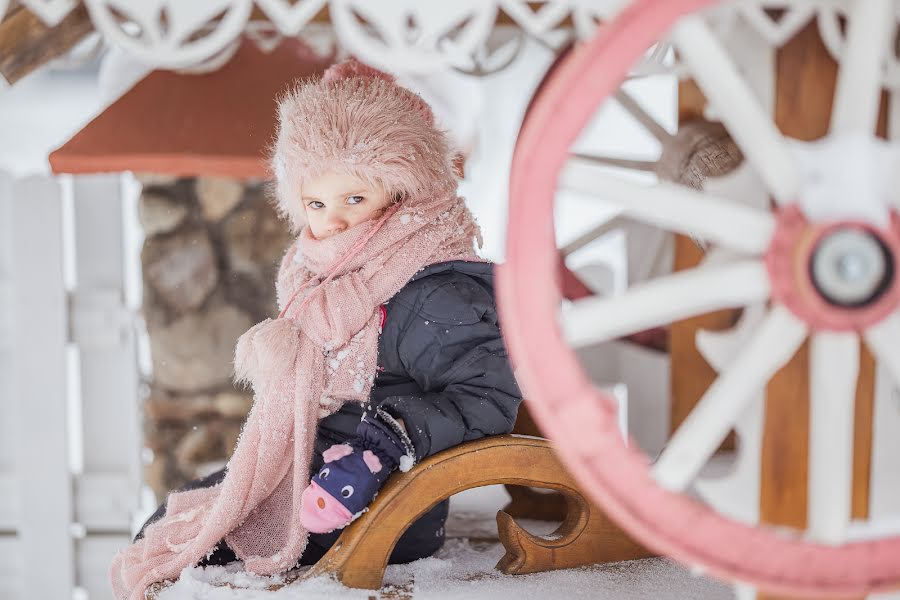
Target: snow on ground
x=464 y=569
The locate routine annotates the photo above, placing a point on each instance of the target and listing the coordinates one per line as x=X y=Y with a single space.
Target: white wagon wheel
x=825 y=258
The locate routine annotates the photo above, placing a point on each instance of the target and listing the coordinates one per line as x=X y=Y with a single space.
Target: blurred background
x=137 y=243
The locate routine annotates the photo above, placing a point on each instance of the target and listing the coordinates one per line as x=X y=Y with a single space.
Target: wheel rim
x=582 y=420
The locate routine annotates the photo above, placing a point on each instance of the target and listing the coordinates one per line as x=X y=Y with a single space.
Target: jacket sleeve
x=449 y=343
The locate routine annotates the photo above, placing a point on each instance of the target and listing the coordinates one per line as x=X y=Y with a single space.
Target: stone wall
x=209 y=262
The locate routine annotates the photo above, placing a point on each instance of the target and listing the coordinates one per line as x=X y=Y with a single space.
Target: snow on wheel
x=823 y=263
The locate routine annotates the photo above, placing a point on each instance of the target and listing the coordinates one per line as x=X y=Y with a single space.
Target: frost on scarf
x=302 y=367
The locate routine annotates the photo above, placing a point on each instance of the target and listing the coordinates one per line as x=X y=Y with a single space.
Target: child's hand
x=352 y=475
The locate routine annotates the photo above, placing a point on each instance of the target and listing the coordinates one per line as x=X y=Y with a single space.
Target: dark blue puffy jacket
x=443 y=369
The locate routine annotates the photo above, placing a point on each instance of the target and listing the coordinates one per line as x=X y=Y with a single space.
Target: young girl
x=387 y=349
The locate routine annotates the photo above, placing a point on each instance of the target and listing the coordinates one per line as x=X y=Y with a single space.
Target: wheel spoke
x=834 y=359
x=882 y=341
x=664 y=300
x=773 y=345
x=637 y=111
x=737 y=106
x=589 y=236
x=858 y=93
x=648 y=166
x=675 y=207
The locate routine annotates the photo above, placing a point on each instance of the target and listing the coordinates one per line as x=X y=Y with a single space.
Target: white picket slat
x=40 y=435
x=9 y=495
x=102 y=328
x=94 y=554
x=12 y=578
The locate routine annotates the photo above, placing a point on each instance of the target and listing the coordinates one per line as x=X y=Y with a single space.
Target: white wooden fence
x=70 y=470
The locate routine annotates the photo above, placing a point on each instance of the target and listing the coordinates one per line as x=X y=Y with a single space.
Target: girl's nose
x=335 y=223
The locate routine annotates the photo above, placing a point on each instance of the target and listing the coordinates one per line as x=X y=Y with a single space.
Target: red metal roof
x=219 y=123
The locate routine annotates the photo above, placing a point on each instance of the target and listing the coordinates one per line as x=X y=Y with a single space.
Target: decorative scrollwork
x=170 y=33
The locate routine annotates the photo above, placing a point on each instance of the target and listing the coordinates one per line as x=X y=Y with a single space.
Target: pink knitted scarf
x=302 y=366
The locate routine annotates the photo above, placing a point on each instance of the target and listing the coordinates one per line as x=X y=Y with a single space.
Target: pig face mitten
x=354 y=472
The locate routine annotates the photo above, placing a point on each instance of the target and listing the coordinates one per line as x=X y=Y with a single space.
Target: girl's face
x=335 y=202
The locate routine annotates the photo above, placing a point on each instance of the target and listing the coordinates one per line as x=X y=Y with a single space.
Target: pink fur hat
x=356 y=119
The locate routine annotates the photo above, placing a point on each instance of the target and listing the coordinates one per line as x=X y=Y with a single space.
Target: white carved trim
x=409 y=35
x=51 y=12
x=158 y=32
x=290 y=18
x=418 y=37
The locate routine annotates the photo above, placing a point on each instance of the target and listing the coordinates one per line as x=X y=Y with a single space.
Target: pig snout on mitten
x=354 y=472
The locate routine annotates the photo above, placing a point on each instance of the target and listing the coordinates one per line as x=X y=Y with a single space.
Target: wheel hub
x=837 y=276
x=851 y=267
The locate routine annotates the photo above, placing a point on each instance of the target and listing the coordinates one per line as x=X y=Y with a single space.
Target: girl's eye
x=315 y=204
x=347 y=491
x=351 y=201
x=324 y=473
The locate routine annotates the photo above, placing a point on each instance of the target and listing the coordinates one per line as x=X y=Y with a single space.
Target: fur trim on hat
x=357 y=120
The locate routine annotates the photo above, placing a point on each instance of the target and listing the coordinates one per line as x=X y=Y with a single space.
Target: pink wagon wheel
x=823 y=262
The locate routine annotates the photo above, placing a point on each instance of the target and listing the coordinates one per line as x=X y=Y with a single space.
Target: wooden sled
x=585 y=537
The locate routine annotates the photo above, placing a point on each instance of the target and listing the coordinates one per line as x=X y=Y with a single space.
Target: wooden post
x=26 y=43
x=805 y=76
x=691 y=374
x=805 y=82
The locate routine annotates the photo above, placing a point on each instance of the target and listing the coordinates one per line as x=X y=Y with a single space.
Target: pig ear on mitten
x=372 y=461
x=336 y=452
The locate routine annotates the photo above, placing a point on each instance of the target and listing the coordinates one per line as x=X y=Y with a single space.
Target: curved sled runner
x=585 y=537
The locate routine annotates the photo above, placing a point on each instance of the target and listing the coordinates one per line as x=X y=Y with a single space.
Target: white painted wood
x=41 y=436
x=882 y=341
x=645 y=373
x=9 y=495
x=664 y=300
x=12 y=578
x=884 y=486
x=107 y=490
x=674 y=207
x=730 y=482
x=834 y=369
x=95 y=553
x=737 y=106
x=859 y=84
x=771 y=347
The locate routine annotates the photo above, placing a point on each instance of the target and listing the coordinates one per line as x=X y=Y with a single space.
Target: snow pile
x=462 y=570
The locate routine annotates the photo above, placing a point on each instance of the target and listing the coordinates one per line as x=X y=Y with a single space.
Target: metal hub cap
x=851 y=267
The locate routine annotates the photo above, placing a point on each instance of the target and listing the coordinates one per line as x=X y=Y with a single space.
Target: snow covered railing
x=69 y=426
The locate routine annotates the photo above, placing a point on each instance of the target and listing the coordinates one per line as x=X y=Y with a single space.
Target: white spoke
x=883 y=340
x=834 y=360
x=771 y=347
x=664 y=300
x=642 y=116
x=589 y=236
x=648 y=166
x=858 y=93
x=737 y=105
x=674 y=207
